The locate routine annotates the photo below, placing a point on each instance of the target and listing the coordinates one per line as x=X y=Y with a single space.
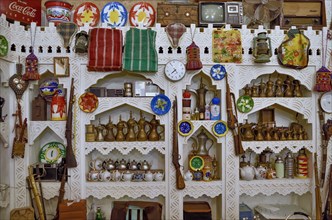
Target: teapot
x=132 y=128
x=142 y=134
x=133 y=165
x=110 y=133
x=154 y=135
x=104 y=176
x=96 y=164
x=145 y=165
x=158 y=176
x=93 y=175
x=122 y=165
x=260 y=172
x=138 y=177
x=108 y=165
x=246 y=131
x=148 y=176
x=126 y=176
x=188 y=176
x=247 y=172
x=120 y=136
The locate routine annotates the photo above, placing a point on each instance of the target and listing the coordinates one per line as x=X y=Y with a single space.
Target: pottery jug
x=120 y=135
x=269 y=88
x=254 y=91
x=156 y=130
x=110 y=130
x=188 y=176
x=247 y=132
x=108 y=165
x=96 y=164
x=126 y=176
x=247 y=172
x=132 y=128
x=144 y=128
x=148 y=176
x=159 y=176
x=267 y=133
x=260 y=173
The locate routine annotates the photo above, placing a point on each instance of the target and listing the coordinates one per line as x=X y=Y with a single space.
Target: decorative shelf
x=51 y=189
x=197 y=189
x=282 y=186
x=125 y=147
x=301 y=105
x=278 y=146
x=117 y=190
x=37 y=127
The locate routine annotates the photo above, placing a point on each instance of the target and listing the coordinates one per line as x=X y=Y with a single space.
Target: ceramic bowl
x=48 y=88
x=58 y=11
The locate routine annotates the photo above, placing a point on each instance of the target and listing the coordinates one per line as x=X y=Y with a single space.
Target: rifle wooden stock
x=61 y=191
x=324 y=143
x=317 y=192
x=232 y=122
x=175 y=154
x=70 y=156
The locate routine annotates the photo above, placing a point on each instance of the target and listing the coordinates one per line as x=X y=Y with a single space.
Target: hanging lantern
x=193 y=57
x=174 y=32
x=323 y=80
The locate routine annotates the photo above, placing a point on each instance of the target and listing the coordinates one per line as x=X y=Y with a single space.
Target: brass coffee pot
x=246 y=131
x=120 y=136
x=156 y=130
x=110 y=133
x=101 y=130
x=200 y=94
x=132 y=126
x=200 y=146
x=258 y=131
x=288 y=92
x=142 y=134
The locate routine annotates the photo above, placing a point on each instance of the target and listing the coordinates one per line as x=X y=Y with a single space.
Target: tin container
x=289 y=166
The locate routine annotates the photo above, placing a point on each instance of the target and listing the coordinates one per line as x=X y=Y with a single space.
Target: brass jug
x=261 y=89
x=101 y=131
x=132 y=128
x=267 y=133
x=269 y=88
x=288 y=88
x=246 y=131
x=278 y=89
x=199 y=147
x=283 y=134
x=297 y=89
x=142 y=134
x=258 y=131
x=156 y=130
x=120 y=135
x=200 y=94
x=254 y=91
x=110 y=130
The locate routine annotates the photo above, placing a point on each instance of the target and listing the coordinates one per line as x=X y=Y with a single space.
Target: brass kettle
x=110 y=130
x=200 y=147
x=156 y=130
x=132 y=126
x=142 y=134
x=246 y=131
x=120 y=135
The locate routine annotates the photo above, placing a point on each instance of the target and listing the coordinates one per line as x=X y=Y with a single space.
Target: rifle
x=317 y=192
x=70 y=156
x=175 y=154
x=232 y=122
x=61 y=191
x=328 y=204
x=19 y=139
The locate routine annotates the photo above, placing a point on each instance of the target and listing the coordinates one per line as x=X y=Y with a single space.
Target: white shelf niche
x=196 y=189
x=277 y=146
x=37 y=127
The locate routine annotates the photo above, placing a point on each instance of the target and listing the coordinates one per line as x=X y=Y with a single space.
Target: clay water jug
x=156 y=130
x=110 y=130
x=144 y=128
x=120 y=135
x=132 y=128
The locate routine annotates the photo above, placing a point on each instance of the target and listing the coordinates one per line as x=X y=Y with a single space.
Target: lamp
x=262 y=48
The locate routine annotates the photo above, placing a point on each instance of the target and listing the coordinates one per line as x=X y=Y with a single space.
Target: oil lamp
x=262 y=48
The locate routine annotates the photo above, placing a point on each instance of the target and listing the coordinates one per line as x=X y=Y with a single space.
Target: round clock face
x=175 y=70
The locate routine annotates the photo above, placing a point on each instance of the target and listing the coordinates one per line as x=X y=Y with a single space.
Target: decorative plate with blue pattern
x=218 y=72
x=220 y=128
x=114 y=14
x=160 y=104
x=185 y=127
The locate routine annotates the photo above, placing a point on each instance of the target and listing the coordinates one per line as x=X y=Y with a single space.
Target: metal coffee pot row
x=109 y=164
x=131 y=130
x=125 y=176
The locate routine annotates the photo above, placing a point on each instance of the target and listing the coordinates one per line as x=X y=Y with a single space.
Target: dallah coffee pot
x=156 y=130
x=120 y=135
x=110 y=130
x=144 y=128
x=132 y=128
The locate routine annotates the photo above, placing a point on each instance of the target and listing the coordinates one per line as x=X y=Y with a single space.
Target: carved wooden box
x=177 y=13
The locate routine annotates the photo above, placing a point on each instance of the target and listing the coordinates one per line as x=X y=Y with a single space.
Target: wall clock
x=175 y=70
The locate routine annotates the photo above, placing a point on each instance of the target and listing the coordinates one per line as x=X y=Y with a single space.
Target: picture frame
x=61 y=66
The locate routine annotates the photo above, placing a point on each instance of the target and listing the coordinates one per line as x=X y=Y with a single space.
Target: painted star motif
x=161 y=104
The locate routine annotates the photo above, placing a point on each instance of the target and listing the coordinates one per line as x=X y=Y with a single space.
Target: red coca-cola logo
x=25 y=10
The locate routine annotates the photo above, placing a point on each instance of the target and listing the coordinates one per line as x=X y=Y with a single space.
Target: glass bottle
x=207 y=112
x=215 y=109
x=280 y=167
x=99 y=214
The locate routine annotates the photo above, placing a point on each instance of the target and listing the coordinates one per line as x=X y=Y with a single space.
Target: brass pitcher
x=258 y=131
x=278 y=88
x=142 y=134
x=200 y=146
x=110 y=130
x=120 y=135
x=283 y=134
x=269 y=88
x=101 y=130
x=132 y=128
x=154 y=135
x=246 y=131
x=288 y=92
x=200 y=94
x=267 y=133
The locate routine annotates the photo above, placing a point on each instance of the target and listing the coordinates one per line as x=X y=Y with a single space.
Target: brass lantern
x=262 y=48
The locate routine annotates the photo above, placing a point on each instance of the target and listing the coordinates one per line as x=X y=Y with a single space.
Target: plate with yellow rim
x=196 y=163
x=185 y=127
x=219 y=128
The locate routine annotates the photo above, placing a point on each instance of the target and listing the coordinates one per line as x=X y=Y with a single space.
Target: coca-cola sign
x=24 y=11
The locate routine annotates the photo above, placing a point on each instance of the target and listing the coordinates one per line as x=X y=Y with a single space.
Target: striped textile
x=140 y=53
x=105 y=50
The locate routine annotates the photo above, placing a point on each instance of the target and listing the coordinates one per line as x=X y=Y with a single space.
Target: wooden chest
x=177 y=13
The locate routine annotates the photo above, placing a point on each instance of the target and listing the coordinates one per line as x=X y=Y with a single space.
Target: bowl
x=58 y=11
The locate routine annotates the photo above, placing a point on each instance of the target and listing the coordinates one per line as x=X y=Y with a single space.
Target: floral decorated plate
x=160 y=104
x=326 y=102
x=52 y=152
x=3 y=46
x=245 y=104
x=218 y=72
x=114 y=14
x=185 y=127
x=196 y=163
x=220 y=128
x=142 y=13
x=88 y=102
x=86 y=12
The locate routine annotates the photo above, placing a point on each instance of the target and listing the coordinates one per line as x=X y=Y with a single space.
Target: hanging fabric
x=105 y=50
x=226 y=46
x=67 y=31
x=140 y=51
x=174 y=33
x=81 y=42
x=31 y=62
x=294 y=50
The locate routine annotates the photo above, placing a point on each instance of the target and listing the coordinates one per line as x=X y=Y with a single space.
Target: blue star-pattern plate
x=160 y=104
x=220 y=128
x=218 y=72
x=185 y=127
x=114 y=14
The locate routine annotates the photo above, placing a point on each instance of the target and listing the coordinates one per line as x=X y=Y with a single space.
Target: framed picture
x=61 y=66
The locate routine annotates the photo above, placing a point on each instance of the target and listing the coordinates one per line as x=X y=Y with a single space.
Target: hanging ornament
x=66 y=31
x=31 y=62
x=17 y=83
x=174 y=33
x=193 y=54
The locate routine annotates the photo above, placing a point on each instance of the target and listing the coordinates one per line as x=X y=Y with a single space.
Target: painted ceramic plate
x=326 y=102
x=114 y=14
x=218 y=72
x=220 y=128
x=142 y=13
x=88 y=102
x=3 y=46
x=86 y=13
x=52 y=152
x=245 y=104
x=185 y=127
x=160 y=104
x=196 y=163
